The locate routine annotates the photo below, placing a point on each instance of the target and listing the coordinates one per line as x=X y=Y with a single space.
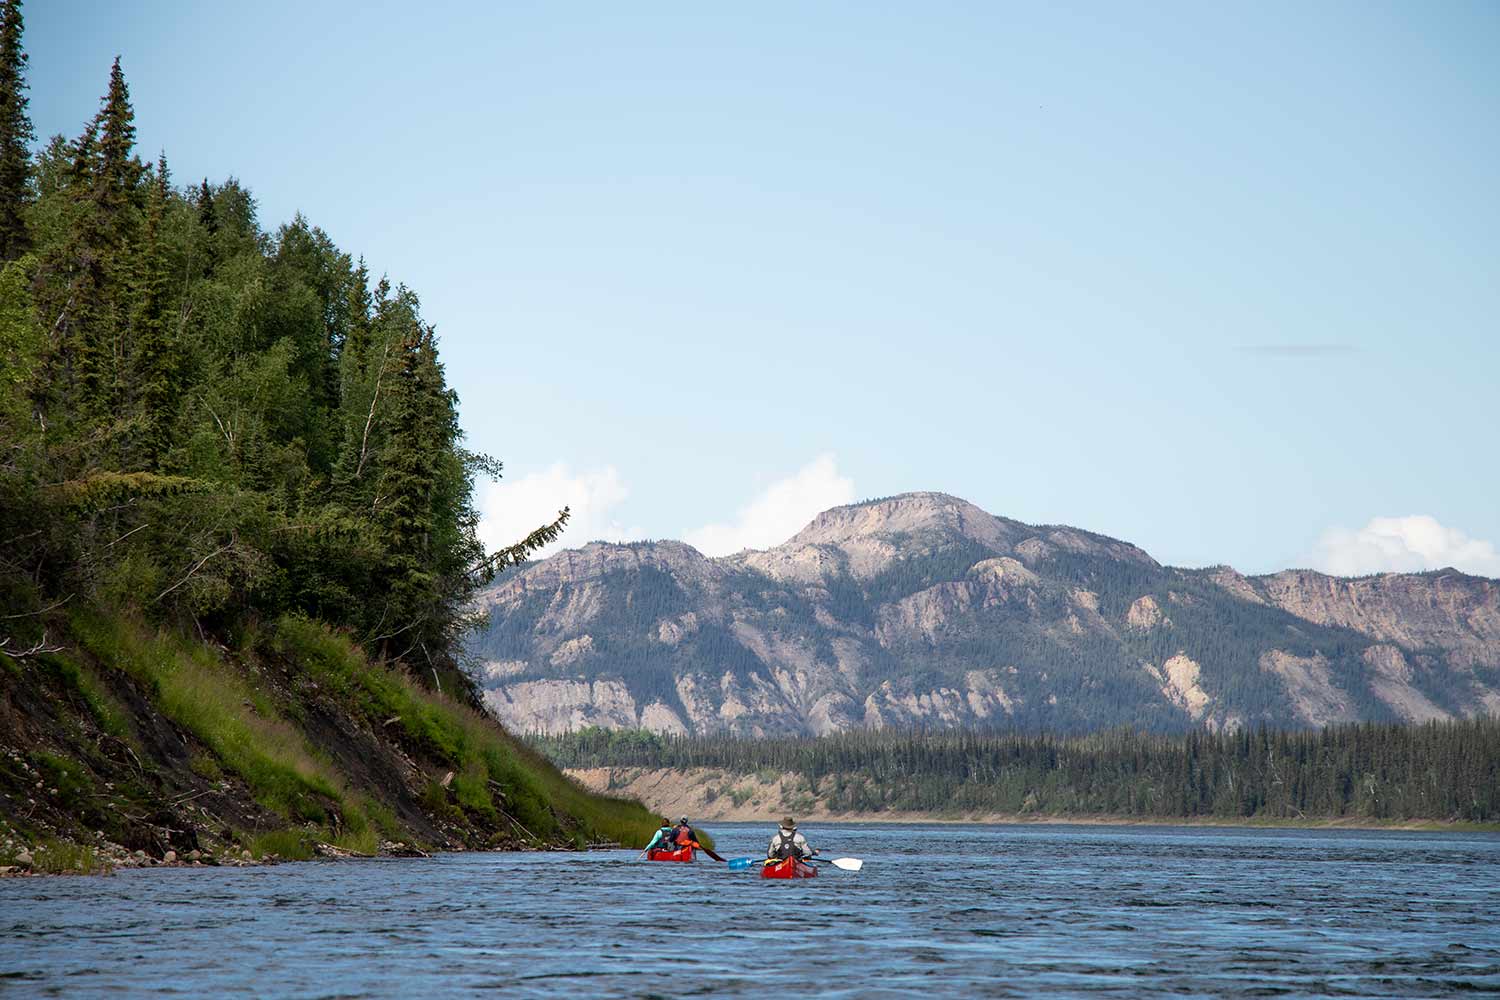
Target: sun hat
x=787 y=823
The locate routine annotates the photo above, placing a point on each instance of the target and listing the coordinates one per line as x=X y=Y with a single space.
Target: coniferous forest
x=1370 y=771
x=209 y=421
x=237 y=529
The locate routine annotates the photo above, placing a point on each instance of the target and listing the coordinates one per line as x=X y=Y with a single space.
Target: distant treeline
x=1438 y=770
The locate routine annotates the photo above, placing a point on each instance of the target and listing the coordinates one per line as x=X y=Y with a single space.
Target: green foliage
x=21 y=340
x=231 y=416
x=209 y=426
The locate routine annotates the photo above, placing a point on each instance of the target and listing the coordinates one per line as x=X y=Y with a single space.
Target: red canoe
x=681 y=854
x=790 y=868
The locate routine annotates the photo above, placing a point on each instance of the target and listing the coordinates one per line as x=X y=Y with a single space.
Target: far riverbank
x=713 y=794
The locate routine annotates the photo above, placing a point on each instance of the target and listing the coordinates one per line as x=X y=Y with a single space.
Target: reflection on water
x=938 y=910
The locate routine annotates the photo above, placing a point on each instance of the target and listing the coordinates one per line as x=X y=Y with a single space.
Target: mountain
x=924 y=610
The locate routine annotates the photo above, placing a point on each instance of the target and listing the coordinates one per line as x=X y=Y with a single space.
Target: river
x=937 y=911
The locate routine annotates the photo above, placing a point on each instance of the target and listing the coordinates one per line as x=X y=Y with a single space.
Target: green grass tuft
x=69 y=777
x=64 y=857
x=106 y=712
x=364 y=842
x=290 y=844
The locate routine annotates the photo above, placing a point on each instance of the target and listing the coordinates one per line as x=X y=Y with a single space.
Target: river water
x=937 y=911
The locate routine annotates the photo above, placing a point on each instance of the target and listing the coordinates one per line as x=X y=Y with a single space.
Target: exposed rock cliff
x=924 y=610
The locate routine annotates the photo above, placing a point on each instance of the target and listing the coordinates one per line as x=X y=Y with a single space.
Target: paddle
x=847 y=864
x=697 y=846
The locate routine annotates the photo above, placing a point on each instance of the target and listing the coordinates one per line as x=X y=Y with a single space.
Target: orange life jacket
x=683 y=836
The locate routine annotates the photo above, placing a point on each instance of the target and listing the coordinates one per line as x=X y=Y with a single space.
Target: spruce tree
x=155 y=351
x=69 y=283
x=404 y=500
x=357 y=344
x=85 y=279
x=119 y=171
x=208 y=219
x=106 y=230
x=16 y=135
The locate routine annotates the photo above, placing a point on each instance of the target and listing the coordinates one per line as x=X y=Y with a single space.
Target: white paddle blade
x=848 y=864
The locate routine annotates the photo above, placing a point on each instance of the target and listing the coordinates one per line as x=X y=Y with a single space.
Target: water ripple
x=976 y=911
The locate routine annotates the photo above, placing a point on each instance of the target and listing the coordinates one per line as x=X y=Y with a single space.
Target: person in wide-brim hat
x=788 y=843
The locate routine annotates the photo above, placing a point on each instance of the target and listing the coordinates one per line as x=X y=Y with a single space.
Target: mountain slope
x=925 y=610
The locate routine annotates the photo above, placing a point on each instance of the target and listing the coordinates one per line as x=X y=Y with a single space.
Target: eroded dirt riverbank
x=714 y=794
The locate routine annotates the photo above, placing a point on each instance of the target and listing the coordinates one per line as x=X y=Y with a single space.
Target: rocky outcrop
x=1234 y=582
x=1144 y=614
x=924 y=614
x=933 y=516
x=1316 y=699
x=1445 y=610
x=559 y=706
x=924 y=610
x=1393 y=684
x=1178 y=677
x=575 y=569
x=1086 y=543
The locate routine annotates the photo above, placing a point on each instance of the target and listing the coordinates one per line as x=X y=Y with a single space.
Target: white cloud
x=512 y=509
x=1403 y=545
x=778 y=512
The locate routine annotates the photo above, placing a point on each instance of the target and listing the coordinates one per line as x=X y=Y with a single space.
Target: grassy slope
x=159 y=742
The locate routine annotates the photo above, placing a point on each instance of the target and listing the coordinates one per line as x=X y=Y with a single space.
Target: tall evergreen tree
x=119 y=169
x=85 y=278
x=420 y=427
x=107 y=228
x=156 y=361
x=70 y=280
x=357 y=344
x=16 y=135
x=208 y=220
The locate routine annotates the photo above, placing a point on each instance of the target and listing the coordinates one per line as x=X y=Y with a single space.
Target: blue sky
x=1221 y=282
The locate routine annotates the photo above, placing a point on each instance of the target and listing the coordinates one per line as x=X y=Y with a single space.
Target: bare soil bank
x=709 y=794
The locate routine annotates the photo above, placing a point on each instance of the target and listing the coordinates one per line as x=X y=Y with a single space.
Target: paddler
x=684 y=835
x=664 y=837
x=788 y=843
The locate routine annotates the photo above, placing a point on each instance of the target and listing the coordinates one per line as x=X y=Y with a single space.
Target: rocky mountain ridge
x=924 y=610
